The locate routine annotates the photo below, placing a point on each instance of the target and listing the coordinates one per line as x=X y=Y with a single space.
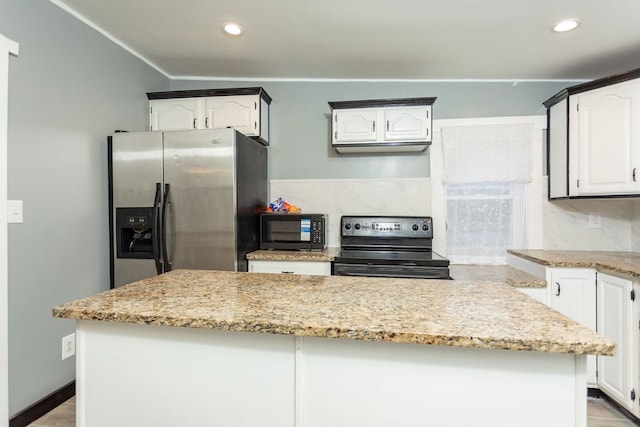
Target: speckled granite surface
x=490 y=273
x=496 y=273
x=627 y=263
x=453 y=313
x=319 y=256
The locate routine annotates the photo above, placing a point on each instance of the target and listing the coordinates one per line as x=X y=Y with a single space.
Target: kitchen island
x=245 y=349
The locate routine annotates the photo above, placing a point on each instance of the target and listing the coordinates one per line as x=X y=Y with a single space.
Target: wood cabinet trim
x=202 y=93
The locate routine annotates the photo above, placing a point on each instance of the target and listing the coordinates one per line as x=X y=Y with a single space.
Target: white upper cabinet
x=245 y=109
x=558 y=150
x=604 y=133
x=240 y=112
x=356 y=125
x=407 y=124
x=176 y=114
x=594 y=139
x=381 y=125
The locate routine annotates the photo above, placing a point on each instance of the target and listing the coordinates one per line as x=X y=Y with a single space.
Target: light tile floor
x=600 y=413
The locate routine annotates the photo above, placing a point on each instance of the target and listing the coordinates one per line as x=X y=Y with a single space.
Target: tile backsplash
x=635 y=227
x=566 y=224
x=337 y=197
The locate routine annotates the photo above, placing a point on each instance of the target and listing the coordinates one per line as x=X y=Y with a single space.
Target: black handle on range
x=156 y=228
x=165 y=251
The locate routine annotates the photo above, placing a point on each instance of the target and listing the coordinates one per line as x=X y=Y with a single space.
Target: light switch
x=14 y=211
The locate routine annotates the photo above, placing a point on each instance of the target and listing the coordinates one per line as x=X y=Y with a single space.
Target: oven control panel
x=384 y=226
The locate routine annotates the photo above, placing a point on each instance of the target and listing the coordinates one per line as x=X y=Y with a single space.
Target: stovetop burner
x=389 y=247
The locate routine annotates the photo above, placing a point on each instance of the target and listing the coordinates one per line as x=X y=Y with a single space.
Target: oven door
x=402 y=271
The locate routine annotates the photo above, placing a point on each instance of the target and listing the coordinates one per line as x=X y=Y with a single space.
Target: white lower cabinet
x=618 y=321
x=290 y=267
x=572 y=292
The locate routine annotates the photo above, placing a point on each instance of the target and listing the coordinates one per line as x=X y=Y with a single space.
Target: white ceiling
x=373 y=39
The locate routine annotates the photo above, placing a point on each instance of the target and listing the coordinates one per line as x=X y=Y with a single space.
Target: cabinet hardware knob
x=206 y=122
x=558 y=292
x=194 y=123
x=287 y=272
x=374 y=127
x=634 y=175
x=387 y=125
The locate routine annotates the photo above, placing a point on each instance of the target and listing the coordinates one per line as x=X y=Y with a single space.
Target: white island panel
x=155 y=376
x=374 y=384
x=148 y=375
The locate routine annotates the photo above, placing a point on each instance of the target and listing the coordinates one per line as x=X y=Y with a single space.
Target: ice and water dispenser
x=135 y=233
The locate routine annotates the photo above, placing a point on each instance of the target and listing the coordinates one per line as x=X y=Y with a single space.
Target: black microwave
x=293 y=231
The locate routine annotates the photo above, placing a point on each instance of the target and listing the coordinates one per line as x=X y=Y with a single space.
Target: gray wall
x=300 y=142
x=69 y=88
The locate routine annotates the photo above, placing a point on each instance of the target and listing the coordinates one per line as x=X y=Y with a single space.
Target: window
x=484 y=220
x=486 y=171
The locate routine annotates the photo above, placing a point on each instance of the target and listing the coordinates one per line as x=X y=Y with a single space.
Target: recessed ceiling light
x=232 y=29
x=566 y=25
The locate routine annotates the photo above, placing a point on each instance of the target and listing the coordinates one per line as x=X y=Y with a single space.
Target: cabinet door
x=407 y=124
x=292 y=267
x=607 y=124
x=616 y=374
x=573 y=293
x=176 y=114
x=355 y=125
x=240 y=112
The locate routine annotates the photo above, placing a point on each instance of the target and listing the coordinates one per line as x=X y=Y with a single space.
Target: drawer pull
x=558 y=293
x=287 y=272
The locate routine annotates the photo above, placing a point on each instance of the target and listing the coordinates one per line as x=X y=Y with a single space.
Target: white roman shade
x=487 y=153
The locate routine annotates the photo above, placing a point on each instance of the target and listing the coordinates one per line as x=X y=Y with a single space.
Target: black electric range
x=388 y=246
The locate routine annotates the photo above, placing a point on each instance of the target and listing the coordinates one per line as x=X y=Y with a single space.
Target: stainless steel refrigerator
x=183 y=199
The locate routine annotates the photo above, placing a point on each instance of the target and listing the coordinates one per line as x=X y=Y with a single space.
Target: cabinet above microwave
x=381 y=125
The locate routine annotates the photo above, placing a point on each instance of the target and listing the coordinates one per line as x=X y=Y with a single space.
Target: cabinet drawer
x=291 y=267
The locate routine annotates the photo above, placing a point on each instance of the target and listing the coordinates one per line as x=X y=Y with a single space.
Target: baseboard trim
x=44 y=405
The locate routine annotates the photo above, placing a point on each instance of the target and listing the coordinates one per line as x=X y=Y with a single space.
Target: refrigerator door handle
x=165 y=250
x=156 y=228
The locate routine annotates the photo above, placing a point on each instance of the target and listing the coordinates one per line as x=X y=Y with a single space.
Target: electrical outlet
x=14 y=211
x=68 y=346
x=595 y=221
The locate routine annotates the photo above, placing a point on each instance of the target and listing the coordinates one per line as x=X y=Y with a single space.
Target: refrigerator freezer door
x=199 y=167
x=136 y=171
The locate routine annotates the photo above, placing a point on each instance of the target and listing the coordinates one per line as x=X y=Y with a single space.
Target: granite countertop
x=326 y=255
x=496 y=273
x=626 y=263
x=453 y=313
x=489 y=273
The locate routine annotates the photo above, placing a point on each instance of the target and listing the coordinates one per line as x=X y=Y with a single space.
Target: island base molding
x=143 y=375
